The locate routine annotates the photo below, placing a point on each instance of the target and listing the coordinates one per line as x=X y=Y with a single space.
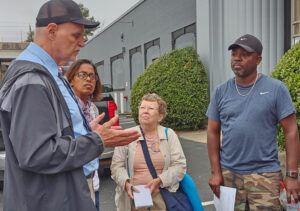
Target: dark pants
x=97 y=200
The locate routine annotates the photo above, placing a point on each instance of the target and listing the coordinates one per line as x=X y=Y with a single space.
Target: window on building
x=136 y=64
x=184 y=37
x=152 y=51
x=101 y=72
x=117 y=72
x=295 y=21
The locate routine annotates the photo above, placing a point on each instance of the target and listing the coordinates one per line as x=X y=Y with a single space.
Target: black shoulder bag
x=175 y=201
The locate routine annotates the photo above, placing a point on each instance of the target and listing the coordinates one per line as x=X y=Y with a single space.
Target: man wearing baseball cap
x=47 y=138
x=247 y=109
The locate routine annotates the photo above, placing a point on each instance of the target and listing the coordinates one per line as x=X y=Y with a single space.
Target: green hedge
x=181 y=80
x=288 y=71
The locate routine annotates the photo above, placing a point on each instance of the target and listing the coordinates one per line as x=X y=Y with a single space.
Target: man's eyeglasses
x=83 y=75
x=143 y=108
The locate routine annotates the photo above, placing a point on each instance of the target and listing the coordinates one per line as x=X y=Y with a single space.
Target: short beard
x=240 y=74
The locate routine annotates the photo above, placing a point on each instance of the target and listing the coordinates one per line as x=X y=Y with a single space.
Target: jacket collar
x=160 y=130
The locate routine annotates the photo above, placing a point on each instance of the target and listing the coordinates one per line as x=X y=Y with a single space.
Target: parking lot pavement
x=126 y=121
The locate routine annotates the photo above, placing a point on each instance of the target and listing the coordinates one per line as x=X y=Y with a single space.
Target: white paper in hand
x=143 y=198
x=226 y=200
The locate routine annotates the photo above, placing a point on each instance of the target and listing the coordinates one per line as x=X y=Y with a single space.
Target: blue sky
x=17 y=15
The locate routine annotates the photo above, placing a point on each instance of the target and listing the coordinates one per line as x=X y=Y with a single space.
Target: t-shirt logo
x=263 y=93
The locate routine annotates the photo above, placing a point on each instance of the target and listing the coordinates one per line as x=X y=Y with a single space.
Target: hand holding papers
x=143 y=198
x=226 y=200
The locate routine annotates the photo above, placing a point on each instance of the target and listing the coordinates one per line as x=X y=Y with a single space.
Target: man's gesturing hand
x=292 y=188
x=113 y=136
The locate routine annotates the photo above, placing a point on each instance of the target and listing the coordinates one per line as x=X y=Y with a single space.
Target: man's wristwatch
x=292 y=174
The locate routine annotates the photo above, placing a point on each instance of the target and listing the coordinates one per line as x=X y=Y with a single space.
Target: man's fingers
x=131 y=134
x=116 y=127
x=288 y=196
x=296 y=197
x=217 y=191
x=120 y=137
x=112 y=137
x=111 y=122
x=120 y=141
x=97 y=120
x=211 y=187
x=292 y=189
x=214 y=182
x=128 y=139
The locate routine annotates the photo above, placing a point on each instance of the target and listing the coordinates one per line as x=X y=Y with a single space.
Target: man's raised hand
x=113 y=136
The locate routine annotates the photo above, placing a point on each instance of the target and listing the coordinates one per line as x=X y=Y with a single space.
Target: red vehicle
x=108 y=106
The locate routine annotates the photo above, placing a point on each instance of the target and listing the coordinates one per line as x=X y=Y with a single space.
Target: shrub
x=181 y=80
x=288 y=71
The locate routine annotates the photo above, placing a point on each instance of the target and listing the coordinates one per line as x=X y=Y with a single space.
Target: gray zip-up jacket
x=43 y=167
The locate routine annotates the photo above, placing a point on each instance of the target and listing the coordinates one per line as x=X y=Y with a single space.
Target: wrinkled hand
x=215 y=181
x=154 y=184
x=113 y=135
x=95 y=122
x=129 y=190
x=292 y=188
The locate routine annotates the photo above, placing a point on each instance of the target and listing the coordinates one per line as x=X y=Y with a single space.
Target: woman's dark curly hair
x=70 y=74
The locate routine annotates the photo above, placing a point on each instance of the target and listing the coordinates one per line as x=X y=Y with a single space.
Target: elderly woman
x=128 y=164
x=85 y=82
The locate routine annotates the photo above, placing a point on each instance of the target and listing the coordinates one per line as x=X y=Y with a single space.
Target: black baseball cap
x=62 y=11
x=249 y=43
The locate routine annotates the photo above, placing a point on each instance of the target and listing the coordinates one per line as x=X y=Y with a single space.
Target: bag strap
x=127 y=160
x=166 y=132
x=147 y=156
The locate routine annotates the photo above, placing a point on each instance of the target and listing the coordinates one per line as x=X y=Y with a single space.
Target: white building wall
x=220 y=23
x=144 y=22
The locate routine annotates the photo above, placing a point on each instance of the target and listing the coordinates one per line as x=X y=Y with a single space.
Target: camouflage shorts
x=254 y=191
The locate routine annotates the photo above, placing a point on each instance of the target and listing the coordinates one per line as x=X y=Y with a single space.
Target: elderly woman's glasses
x=83 y=75
x=144 y=108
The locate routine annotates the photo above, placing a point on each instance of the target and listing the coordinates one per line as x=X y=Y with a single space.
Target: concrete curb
x=197 y=135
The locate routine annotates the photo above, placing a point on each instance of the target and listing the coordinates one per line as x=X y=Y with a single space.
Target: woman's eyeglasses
x=83 y=75
x=144 y=108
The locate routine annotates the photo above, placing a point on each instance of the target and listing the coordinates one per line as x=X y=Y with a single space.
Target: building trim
x=118 y=20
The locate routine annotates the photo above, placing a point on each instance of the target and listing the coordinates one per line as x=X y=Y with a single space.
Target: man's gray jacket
x=43 y=167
